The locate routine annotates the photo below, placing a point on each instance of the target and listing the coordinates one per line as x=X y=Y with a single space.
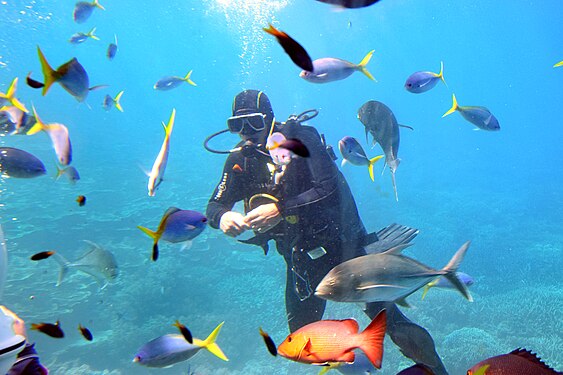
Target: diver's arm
x=228 y=191
x=323 y=171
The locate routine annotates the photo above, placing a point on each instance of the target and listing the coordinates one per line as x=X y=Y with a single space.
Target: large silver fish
x=96 y=262
x=388 y=276
x=381 y=123
x=19 y=164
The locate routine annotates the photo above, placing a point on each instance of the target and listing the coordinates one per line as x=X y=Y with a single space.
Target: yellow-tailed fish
x=560 y=63
x=59 y=137
x=10 y=96
x=159 y=166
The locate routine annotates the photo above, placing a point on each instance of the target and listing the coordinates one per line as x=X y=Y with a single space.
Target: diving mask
x=246 y=124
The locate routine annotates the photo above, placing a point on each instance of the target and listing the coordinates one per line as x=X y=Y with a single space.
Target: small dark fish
x=481 y=117
x=417 y=369
x=296 y=146
x=112 y=49
x=19 y=164
x=519 y=361
x=185 y=332
x=272 y=348
x=53 y=330
x=81 y=200
x=81 y=37
x=83 y=10
x=296 y=52
x=42 y=255
x=71 y=75
x=85 y=332
x=350 y=3
x=170 y=82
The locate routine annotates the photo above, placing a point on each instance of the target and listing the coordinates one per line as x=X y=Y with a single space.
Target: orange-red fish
x=81 y=200
x=517 y=362
x=328 y=341
x=42 y=255
x=53 y=330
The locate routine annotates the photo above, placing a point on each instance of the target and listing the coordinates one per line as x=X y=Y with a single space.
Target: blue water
x=503 y=191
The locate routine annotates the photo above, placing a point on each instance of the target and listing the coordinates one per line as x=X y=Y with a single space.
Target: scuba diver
x=308 y=209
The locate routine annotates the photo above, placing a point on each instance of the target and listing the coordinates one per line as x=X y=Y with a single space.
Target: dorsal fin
x=397 y=249
x=532 y=357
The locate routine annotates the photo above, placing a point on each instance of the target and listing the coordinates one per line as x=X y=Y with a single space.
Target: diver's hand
x=232 y=223
x=18 y=325
x=263 y=217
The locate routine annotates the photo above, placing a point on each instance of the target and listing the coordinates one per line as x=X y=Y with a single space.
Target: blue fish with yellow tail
x=481 y=117
x=167 y=350
x=176 y=226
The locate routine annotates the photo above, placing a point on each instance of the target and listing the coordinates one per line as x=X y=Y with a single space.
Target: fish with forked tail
x=96 y=262
x=481 y=117
x=387 y=276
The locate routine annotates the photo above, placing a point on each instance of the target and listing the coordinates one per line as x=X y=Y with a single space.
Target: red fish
x=328 y=341
x=517 y=362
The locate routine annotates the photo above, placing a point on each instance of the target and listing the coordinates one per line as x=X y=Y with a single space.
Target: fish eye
x=204 y=220
x=289 y=339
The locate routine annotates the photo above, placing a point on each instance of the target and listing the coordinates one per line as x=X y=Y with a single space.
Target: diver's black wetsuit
x=319 y=210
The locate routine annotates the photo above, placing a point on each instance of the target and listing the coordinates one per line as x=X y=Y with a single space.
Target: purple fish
x=176 y=226
x=19 y=164
x=481 y=117
x=420 y=82
x=83 y=10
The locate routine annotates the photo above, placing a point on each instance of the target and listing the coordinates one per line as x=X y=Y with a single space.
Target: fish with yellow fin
x=176 y=226
x=10 y=96
x=59 y=137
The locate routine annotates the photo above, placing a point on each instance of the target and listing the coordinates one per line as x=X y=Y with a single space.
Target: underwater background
x=501 y=190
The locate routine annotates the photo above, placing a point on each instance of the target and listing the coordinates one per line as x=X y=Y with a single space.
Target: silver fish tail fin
x=451 y=268
x=64 y=263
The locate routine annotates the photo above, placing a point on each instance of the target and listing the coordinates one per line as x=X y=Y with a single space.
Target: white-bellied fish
x=159 y=167
x=80 y=37
x=96 y=262
x=59 y=138
x=112 y=49
x=19 y=164
x=70 y=172
x=15 y=121
x=481 y=117
x=420 y=82
x=109 y=102
x=444 y=283
x=167 y=350
x=176 y=226
x=71 y=75
x=83 y=10
x=381 y=123
x=353 y=153
x=352 y=4
x=10 y=97
x=170 y=82
x=330 y=69
x=387 y=276
x=295 y=51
